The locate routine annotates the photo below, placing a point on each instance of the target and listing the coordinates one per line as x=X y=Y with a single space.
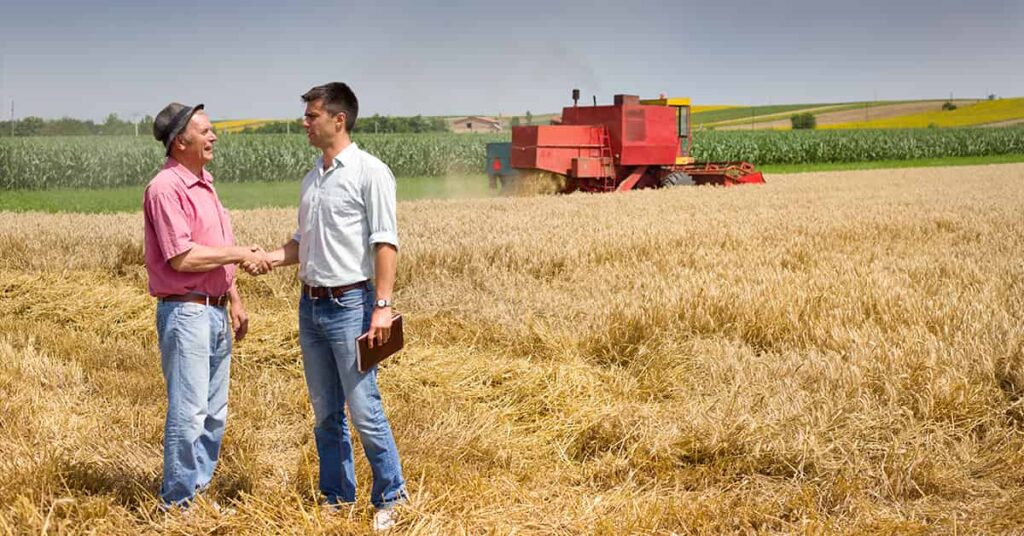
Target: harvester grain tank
x=627 y=145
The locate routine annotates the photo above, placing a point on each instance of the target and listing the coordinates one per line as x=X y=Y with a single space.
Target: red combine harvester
x=631 y=144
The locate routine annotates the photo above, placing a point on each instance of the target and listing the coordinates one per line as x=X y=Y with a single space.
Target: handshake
x=257 y=261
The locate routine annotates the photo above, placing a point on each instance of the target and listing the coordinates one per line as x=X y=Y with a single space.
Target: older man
x=347 y=248
x=190 y=258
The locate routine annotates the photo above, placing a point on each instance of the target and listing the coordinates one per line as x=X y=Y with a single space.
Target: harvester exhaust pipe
x=575 y=97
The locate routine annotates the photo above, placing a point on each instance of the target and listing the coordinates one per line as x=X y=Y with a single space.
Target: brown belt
x=215 y=301
x=319 y=293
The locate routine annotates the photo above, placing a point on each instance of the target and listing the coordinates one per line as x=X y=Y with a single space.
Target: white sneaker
x=329 y=509
x=172 y=511
x=222 y=510
x=336 y=510
x=384 y=519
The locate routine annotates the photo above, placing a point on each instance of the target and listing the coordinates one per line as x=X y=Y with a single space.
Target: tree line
x=115 y=126
x=67 y=126
x=379 y=124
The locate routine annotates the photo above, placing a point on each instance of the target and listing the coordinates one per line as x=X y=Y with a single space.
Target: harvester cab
x=627 y=145
x=684 y=131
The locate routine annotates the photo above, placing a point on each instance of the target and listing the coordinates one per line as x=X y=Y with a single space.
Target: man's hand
x=239 y=320
x=257 y=262
x=380 y=326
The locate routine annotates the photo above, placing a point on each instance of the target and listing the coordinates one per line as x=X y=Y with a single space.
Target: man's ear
x=180 y=142
x=339 y=121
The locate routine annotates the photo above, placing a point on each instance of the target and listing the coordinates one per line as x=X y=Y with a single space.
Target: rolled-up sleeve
x=297 y=235
x=170 y=223
x=379 y=197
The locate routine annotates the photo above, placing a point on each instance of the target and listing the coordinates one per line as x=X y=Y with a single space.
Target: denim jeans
x=195 y=354
x=327 y=332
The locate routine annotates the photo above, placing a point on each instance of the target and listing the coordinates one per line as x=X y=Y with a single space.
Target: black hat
x=171 y=121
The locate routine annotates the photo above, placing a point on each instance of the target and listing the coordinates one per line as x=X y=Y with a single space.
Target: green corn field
x=99 y=162
x=814 y=147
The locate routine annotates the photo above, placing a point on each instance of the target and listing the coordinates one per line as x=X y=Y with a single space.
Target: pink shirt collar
x=185 y=175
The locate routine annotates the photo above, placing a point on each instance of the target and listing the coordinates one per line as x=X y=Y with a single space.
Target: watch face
x=382 y=303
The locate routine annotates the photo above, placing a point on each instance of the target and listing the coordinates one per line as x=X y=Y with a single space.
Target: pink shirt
x=182 y=210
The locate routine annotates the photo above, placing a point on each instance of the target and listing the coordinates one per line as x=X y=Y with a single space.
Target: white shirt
x=343 y=212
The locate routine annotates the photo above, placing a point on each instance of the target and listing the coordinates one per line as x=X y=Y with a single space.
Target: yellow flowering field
x=970 y=115
x=237 y=125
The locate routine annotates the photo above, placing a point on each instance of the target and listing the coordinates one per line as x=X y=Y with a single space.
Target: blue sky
x=253 y=59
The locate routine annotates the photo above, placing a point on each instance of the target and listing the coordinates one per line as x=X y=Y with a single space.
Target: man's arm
x=381 y=207
x=385 y=267
x=285 y=255
x=201 y=258
x=239 y=317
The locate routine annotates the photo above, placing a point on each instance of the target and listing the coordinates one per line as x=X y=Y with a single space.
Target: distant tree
x=30 y=126
x=948 y=106
x=146 y=126
x=418 y=124
x=529 y=118
x=114 y=125
x=804 y=121
x=67 y=126
x=515 y=121
x=991 y=96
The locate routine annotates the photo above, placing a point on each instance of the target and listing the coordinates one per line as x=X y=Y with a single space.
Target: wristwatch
x=380 y=304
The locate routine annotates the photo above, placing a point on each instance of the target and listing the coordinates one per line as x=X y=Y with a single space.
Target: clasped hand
x=257 y=262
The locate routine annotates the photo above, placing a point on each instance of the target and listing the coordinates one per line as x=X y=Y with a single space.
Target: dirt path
x=1008 y=123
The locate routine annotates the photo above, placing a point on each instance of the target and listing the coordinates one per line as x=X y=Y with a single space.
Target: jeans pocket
x=189 y=310
x=352 y=299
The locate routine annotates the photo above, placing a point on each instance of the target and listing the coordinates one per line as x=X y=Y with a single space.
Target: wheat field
x=830 y=353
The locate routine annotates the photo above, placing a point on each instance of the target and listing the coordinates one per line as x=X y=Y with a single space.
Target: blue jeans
x=327 y=332
x=195 y=354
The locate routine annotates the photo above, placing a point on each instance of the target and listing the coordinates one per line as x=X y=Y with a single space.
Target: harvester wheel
x=677 y=178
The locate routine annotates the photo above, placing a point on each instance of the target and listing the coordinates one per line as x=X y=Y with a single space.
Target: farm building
x=475 y=123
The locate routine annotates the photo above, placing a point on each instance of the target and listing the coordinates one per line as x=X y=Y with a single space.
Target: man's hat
x=171 y=121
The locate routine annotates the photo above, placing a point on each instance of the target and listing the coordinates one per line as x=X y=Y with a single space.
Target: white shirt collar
x=342 y=159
